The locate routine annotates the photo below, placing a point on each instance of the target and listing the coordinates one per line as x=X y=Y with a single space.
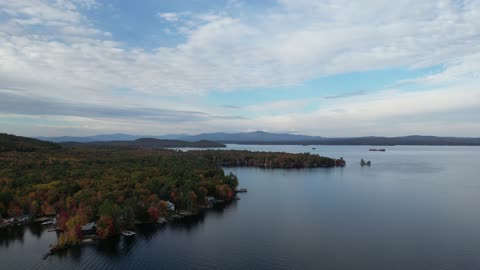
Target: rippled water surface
x=417 y=207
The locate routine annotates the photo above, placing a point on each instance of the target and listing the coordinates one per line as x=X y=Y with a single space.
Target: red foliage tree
x=153 y=212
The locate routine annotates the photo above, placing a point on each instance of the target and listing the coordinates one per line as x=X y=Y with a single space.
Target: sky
x=335 y=68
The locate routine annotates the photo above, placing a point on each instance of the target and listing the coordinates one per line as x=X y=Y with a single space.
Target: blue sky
x=329 y=68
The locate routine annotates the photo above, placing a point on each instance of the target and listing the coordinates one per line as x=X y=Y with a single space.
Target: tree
x=153 y=212
x=128 y=217
x=14 y=210
x=191 y=200
x=232 y=181
x=34 y=208
x=110 y=213
x=62 y=219
x=106 y=227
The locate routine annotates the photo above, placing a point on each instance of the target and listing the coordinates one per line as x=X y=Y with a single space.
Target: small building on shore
x=211 y=199
x=89 y=228
x=170 y=206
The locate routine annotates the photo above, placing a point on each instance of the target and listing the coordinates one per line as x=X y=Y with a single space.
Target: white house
x=170 y=206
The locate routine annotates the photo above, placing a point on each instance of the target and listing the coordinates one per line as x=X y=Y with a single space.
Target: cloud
x=169 y=16
x=279 y=107
x=14 y=103
x=351 y=94
x=389 y=112
x=463 y=70
x=53 y=52
x=295 y=43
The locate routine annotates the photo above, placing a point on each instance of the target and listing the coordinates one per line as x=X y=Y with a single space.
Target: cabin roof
x=89 y=226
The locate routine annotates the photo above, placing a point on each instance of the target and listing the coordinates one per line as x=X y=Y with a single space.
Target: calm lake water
x=417 y=207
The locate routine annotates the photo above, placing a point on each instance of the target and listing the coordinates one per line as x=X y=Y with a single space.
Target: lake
x=416 y=207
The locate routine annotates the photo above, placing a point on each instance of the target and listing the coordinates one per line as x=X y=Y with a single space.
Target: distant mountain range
x=257 y=136
x=108 y=137
x=260 y=137
x=146 y=143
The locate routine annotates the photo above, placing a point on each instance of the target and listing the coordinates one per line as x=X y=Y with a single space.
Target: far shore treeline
x=118 y=186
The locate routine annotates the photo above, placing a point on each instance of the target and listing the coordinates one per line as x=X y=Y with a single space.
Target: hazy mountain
x=147 y=143
x=257 y=136
x=261 y=137
x=109 y=137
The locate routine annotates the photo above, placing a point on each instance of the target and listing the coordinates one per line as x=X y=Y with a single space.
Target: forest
x=116 y=187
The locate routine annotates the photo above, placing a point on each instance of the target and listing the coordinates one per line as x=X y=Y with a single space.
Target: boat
x=365 y=163
x=49 y=222
x=87 y=241
x=314 y=148
x=376 y=150
x=340 y=162
x=128 y=233
x=242 y=190
x=162 y=220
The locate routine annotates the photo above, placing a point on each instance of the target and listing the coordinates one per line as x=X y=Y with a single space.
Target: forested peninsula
x=116 y=187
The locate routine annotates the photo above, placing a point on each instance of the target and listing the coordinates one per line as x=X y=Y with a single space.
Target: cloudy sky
x=328 y=68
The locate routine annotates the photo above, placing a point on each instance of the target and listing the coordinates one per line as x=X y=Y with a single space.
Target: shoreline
x=177 y=215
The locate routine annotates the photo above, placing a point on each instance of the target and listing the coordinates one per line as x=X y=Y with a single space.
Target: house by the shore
x=89 y=228
x=170 y=206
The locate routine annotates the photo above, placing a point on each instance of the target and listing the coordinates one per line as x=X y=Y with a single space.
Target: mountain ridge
x=262 y=137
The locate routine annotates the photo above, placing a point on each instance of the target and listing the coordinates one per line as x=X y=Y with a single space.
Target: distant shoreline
x=266 y=138
x=337 y=144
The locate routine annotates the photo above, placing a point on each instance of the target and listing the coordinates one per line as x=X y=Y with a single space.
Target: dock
x=185 y=213
x=128 y=233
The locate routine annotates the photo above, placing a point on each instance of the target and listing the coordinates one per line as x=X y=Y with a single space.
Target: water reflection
x=114 y=247
x=9 y=235
x=74 y=253
x=36 y=229
x=412 y=209
x=123 y=246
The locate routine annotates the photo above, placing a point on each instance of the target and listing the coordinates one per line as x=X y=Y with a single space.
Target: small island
x=91 y=192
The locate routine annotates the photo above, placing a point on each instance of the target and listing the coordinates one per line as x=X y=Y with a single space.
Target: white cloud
x=390 y=112
x=65 y=56
x=169 y=16
x=278 y=107
x=227 y=53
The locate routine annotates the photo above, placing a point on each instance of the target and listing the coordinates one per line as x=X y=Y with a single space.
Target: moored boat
x=162 y=220
x=128 y=233
x=377 y=150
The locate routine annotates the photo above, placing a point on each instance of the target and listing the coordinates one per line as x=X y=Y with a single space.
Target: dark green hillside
x=238 y=158
x=23 y=144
